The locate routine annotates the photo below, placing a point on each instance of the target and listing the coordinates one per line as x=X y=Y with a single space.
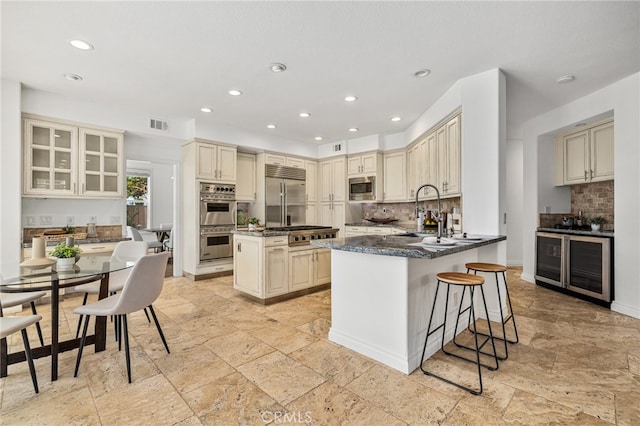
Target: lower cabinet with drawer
x=267 y=270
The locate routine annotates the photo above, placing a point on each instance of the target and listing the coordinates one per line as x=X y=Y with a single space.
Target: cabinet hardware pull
x=591 y=171
x=239 y=247
x=585 y=175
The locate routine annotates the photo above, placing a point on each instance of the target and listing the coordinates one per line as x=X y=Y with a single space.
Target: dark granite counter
x=589 y=233
x=85 y=241
x=260 y=233
x=402 y=246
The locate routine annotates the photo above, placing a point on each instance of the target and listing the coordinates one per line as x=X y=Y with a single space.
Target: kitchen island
x=382 y=291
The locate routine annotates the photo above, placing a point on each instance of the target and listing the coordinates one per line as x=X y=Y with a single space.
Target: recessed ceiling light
x=566 y=79
x=234 y=92
x=351 y=99
x=206 y=109
x=81 y=44
x=422 y=73
x=318 y=138
x=305 y=114
x=73 y=77
x=396 y=118
x=277 y=67
x=271 y=126
x=353 y=129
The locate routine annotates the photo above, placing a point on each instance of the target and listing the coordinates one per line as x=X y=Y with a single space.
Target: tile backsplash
x=103 y=231
x=405 y=212
x=593 y=199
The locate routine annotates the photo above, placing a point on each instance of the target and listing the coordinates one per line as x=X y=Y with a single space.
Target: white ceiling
x=169 y=59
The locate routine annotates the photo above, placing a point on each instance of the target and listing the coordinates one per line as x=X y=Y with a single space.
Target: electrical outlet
x=115 y=220
x=46 y=220
x=70 y=220
x=92 y=219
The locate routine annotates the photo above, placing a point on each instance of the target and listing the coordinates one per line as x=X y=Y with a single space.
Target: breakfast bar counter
x=382 y=291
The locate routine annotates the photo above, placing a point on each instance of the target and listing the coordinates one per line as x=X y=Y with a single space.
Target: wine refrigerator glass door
x=550 y=258
x=589 y=267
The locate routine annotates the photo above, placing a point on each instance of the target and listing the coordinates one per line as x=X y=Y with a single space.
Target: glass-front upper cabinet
x=101 y=163
x=67 y=161
x=50 y=158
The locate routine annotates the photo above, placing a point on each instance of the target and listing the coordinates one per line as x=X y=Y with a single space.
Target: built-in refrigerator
x=285 y=196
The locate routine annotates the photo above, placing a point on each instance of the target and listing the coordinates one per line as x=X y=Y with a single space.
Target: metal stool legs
x=478 y=345
x=509 y=317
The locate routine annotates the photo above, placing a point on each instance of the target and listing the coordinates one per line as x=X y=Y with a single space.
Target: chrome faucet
x=439 y=218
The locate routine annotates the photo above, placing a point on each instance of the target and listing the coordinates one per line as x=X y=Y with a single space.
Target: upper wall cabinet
x=395 y=177
x=283 y=160
x=435 y=159
x=216 y=163
x=364 y=164
x=246 y=180
x=585 y=156
x=66 y=161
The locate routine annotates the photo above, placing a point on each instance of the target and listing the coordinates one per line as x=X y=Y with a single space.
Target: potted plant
x=253 y=222
x=597 y=222
x=67 y=255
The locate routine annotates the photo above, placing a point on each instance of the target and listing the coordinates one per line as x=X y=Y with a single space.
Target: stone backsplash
x=593 y=199
x=405 y=212
x=103 y=231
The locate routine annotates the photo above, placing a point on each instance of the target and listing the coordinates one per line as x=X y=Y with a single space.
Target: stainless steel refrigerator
x=285 y=196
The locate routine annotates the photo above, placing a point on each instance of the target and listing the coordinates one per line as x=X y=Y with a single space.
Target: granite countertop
x=410 y=227
x=396 y=245
x=603 y=234
x=260 y=233
x=85 y=241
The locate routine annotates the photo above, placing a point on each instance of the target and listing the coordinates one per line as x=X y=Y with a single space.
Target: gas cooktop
x=298 y=228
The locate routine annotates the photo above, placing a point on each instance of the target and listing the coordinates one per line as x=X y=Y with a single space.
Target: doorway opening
x=137 y=200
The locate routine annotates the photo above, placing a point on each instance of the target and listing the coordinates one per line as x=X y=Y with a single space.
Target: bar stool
x=497 y=269
x=465 y=280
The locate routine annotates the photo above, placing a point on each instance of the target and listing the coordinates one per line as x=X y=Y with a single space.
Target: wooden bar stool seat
x=498 y=269
x=471 y=282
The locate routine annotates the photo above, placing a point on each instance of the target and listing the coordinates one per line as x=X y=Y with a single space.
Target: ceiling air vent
x=158 y=124
x=337 y=147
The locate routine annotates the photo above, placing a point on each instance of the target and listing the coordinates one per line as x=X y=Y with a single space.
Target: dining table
x=18 y=279
x=162 y=233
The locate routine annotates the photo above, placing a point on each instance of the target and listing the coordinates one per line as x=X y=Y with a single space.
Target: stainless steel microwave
x=362 y=188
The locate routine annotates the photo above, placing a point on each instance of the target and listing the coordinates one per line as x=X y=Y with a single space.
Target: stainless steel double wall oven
x=217 y=220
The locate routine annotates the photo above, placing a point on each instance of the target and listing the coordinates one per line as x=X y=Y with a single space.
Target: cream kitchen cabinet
x=334 y=215
x=282 y=160
x=309 y=267
x=246 y=179
x=276 y=270
x=65 y=160
x=311 y=168
x=448 y=170
x=416 y=167
x=333 y=180
x=216 y=163
x=311 y=213
x=355 y=231
x=586 y=156
x=395 y=176
x=248 y=265
x=364 y=164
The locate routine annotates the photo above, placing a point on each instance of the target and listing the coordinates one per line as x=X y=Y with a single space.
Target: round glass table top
x=85 y=267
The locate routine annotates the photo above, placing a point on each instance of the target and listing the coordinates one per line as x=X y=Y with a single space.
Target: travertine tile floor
x=235 y=362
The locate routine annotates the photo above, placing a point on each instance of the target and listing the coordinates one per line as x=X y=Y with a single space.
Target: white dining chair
x=9 y=300
x=142 y=288
x=151 y=240
x=133 y=249
x=10 y=325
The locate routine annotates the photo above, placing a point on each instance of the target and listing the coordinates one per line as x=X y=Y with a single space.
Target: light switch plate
x=46 y=220
x=70 y=220
x=92 y=219
x=31 y=221
x=115 y=220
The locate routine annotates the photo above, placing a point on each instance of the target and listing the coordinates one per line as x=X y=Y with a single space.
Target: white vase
x=252 y=227
x=65 y=263
x=595 y=226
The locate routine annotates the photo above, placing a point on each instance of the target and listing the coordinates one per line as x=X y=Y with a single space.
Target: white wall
x=623 y=98
x=514 y=202
x=10 y=172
